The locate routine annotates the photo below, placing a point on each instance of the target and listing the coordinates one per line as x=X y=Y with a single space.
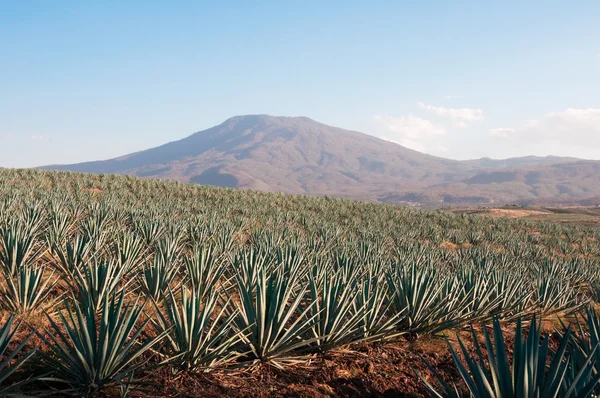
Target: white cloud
x=460 y=116
x=427 y=135
x=411 y=126
x=586 y=117
x=414 y=132
x=38 y=137
x=573 y=132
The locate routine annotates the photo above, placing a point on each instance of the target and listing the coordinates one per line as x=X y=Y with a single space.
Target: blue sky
x=464 y=79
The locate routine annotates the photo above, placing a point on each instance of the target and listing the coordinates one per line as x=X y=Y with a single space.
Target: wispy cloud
x=411 y=126
x=36 y=137
x=413 y=132
x=428 y=134
x=573 y=132
x=460 y=116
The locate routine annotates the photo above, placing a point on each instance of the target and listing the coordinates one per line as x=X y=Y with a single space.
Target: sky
x=93 y=80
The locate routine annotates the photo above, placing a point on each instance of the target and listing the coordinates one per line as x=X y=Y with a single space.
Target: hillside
x=292 y=155
x=563 y=183
x=518 y=162
x=298 y=155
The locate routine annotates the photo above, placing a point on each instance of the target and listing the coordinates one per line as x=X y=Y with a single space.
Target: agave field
x=108 y=280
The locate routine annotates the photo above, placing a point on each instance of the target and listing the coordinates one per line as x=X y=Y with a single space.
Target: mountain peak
x=264 y=118
x=265 y=123
x=300 y=155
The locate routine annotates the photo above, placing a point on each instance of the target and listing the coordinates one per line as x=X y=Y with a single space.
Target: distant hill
x=518 y=162
x=300 y=155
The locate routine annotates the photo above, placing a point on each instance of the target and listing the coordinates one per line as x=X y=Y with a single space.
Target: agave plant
x=270 y=313
x=513 y=295
x=154 y=281
x=13 y=359
x=150 y=231
x=554 y=295
x=99 y=281
x=60 y=224
x=584 y=344
x=157 y=278
x=129 y=253
x=18 y=246
x=375 y=323
x=529 y=376
x=337 y=320
x=72 y=255
x=27 y=291
x=374 y=271
x=429 y=302
x=203 y=270
x=199 y=329
x=90 y=354
x=96 y=227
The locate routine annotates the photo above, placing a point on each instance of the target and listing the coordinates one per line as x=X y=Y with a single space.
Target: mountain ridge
x=302 y=156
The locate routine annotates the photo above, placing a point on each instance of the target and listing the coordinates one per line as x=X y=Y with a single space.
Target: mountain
x=299 y=155
x=293 y=155
x=564 y=183
x=518 y=162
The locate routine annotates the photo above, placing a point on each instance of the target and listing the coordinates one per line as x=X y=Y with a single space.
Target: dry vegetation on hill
x=125 y=285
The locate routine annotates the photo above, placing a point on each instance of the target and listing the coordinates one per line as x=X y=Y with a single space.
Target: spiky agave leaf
x=584 y=344
x=27 y=291
x=202 y=269
x=429 y=303
x=536 y=371
x=376 y=322
x=72 y=255
x=199 y=329
x=129 y=252
x=60 y=224
x=337 y=320
x=554 y=292
x=271 y=313
x=98 y=281
x=156 y=278
x=13 y=359
x=18 y=245
x=90 y=354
